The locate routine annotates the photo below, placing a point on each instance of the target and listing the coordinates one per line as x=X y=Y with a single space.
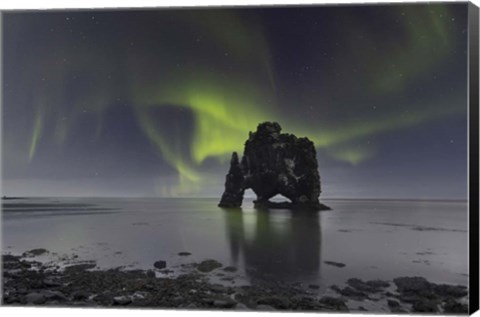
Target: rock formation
x=274 y=163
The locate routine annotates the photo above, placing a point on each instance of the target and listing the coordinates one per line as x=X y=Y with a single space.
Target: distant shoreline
x=452 y=200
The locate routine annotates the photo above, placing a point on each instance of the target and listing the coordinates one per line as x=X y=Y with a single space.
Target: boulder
x=122 y=300
x=453 y=307
x=34 y=252
x=208 y=265
x=35 y=299
x=160 y=264
x=224 y=303
x=333 y=303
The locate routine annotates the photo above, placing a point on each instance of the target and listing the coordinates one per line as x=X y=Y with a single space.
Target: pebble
x=208 y=265
x=275 y=301
x=224 y=303
x=425 y=307
x=334 y=303
x=264 y=308
x=35 y=252
x=122 y=300
x=454 y=307
x=336 y=264
x=160 y=264
x=241 y=306
x=35 y=298
x=178 y=300
x=217 y=288
x=80 y=295
x=230 y=269
x=54 y=295
x=51 y=283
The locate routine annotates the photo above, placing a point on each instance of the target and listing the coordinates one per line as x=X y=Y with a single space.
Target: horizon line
x=6 y=197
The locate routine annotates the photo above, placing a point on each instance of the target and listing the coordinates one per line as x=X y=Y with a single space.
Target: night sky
x=153 y=102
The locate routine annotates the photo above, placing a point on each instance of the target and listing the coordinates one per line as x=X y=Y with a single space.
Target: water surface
x=372 y=238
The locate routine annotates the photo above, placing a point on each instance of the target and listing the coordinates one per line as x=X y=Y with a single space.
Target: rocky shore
x=27 y=281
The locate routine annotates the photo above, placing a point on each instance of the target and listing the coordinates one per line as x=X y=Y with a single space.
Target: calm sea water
x=373 y=238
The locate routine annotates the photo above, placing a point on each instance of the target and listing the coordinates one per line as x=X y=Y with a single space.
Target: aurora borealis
x=153 y=102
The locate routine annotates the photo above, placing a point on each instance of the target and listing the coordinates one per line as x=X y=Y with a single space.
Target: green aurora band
x=226 y=108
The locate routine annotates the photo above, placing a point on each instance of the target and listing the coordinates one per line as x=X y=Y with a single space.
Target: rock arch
x=274 y=163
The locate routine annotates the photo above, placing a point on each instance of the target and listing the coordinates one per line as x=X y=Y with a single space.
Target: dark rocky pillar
x=234 y=182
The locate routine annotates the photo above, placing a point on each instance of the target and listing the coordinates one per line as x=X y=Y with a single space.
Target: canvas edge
x=473 y=97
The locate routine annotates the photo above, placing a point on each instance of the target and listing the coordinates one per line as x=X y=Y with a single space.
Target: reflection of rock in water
x=275 y=245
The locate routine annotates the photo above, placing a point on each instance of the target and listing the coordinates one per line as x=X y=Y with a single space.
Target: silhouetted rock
x=35 y=298
x=80 y=295
x=425 y=306
x=336 y=264
x=363 y=286
x=208 y=265
x=453 y=307
x=454 y=291
x=393 y=303
x=34 y=252
x=350 y=292
x=160 y=264
x=332 y=303
x=230 y=269
x=224 y=303
x=426 y=296
x=80 y=267
x=274 y=163
x=121 y=300
x=414 y=284
x=234 y=185
x=378 y=283
x=278 y=302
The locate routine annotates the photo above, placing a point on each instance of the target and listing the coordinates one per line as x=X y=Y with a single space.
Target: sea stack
x=274 y=163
